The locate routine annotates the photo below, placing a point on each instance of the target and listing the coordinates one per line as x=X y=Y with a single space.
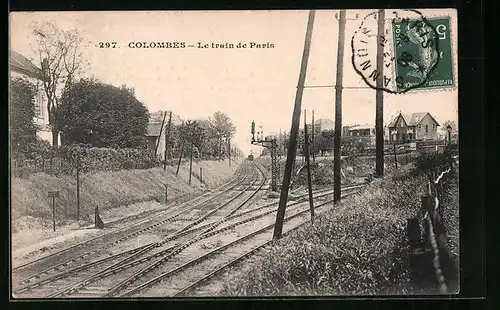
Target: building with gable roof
x=412 y=127
x=155 y=134
x=21 y=66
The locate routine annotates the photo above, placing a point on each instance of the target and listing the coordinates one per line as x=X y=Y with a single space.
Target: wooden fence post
x=395 y=156
x=78 y=190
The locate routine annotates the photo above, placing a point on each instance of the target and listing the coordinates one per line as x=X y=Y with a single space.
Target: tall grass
x=107 y=189
x=359 y=247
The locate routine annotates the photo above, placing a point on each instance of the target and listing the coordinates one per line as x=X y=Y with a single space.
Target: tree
x=222 y=128
x=102 y=115
x=22 y=113
x=207 y=144
x=61 y=61
x=324 y=141
x=452 y=124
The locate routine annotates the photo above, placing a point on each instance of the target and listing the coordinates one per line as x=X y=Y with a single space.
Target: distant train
x=250 y=157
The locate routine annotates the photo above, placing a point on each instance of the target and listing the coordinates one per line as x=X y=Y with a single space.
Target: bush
x=428 y=162
x=106 y=159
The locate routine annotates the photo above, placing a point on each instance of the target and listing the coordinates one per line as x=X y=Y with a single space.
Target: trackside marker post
x=53 y=195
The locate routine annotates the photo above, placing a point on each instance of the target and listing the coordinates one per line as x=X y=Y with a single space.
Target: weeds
x=359 y=247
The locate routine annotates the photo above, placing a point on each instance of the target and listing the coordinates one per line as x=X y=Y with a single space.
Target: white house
x=20 y=66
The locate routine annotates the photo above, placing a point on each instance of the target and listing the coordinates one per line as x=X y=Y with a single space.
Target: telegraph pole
x=308 y=166
x=159 y=135
x=313 y=141
x=180 y=157
x=191 y=162
x=338 y=109
x=167 y=136
x=292 y=145
x=229 y=150
x=379 y=99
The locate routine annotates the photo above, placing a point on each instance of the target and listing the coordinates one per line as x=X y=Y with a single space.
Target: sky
x=246 y=84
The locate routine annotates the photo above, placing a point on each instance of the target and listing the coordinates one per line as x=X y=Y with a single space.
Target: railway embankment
x=118 y=194
x=360 y=247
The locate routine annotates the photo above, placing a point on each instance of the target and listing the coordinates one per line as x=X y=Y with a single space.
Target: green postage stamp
x=407 y=51
x=441 y=75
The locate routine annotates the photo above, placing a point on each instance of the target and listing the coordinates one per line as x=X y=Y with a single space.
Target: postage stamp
x=416 y=51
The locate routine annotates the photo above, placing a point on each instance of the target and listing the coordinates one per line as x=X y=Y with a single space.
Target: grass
x=358 y=248
x=450 y=205
x=106 y=190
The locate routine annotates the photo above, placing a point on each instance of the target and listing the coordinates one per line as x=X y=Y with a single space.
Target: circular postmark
x=408 y=47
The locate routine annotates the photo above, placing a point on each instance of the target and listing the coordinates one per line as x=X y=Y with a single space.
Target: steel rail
x=126 y=237
x=179 y=248
x=120 y=265
x=212 y=252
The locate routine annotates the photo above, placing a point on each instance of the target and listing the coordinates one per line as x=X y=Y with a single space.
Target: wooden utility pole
x=292 y=145
x=229 y=150
x=191 y=163
x=159 y=135
x=54 y=213
x=379 y=99
x=313 y=141
x=78 y=189
x=180 y=157
x=338 y=109
x=308 y=166
x=167 y=137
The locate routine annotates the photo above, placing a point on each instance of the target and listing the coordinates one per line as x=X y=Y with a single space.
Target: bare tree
x=60 y=59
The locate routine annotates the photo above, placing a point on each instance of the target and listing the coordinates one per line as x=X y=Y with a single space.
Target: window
x=401 y=124
x=426 y=128
x=39 y=103
x=419 y=126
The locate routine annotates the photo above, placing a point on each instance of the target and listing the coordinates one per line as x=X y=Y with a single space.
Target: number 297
x=107 y=44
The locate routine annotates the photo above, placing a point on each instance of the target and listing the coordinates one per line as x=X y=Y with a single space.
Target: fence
x=430 y=260
x=92 y=159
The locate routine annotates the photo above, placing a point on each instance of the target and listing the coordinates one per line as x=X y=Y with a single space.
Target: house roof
x=412 y=119
x=360 y=127
x=154 y=130
x=21 y=64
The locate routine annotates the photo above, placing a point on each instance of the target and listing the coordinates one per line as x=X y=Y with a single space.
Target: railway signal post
x=273 y=147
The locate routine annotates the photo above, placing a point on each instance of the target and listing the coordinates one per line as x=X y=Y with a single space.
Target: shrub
x=428 y=162
x=106 y=159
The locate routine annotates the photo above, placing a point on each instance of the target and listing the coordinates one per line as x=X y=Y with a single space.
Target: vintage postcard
x=233 y=153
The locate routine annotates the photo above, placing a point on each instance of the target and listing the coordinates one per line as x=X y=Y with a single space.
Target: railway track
x=80 y=252
x=191 y=269
x=38 y=263
x=105 y=273
x=173 y=255
x=52 y=280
